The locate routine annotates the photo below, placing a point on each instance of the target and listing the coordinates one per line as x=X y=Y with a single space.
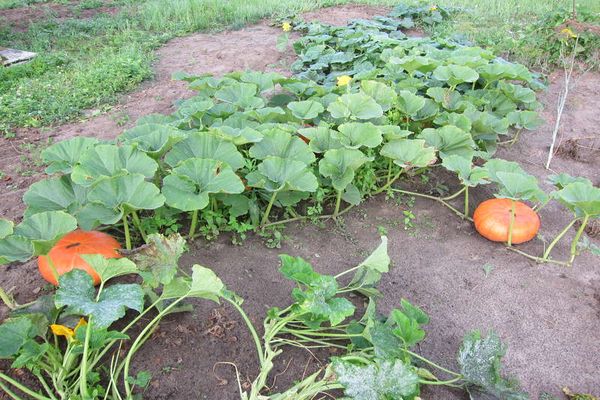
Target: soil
x=548 y=316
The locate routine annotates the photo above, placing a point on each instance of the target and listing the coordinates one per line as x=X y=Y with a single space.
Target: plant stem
x=193 y=224
x=259 y=348
x=388 y=184
x=448 y=382
x=127 y=236
x=425 y=360
x=23 y=388
x=45 y=386
x=338 y=201
x=512 y=222
x=84 y=360
x=9 y=392
x=265 y=217
x=138 y=224
x=538 y=259
x=5 y=298
x=389 y=172
x=466 y=201
x=557 y=238
x=576 y=238
x=438 y=199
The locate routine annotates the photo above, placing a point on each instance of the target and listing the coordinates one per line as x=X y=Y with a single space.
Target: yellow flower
x=568 y=33
x=343 y=80
x=433 y=8
x=286 y=26
x=61 y=330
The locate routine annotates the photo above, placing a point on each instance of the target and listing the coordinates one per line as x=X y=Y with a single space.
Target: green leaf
x=205 y=284
x=529 y=120
x=480 y=362
x=15 y=248
x=340 y=166
x=407 y=329
x=368 y=273
x=297 y=269
x=414 y=63
x=108 y=268
x=160 y=257
x=463 y=167
x=205 y=145
x=450 y=100
x=580 y=197
x=55 y=194
x=76 y=292
x=307 y=109
x=562 y=180
x=62 y=156
x=384 y=95
x=380 y=380
x=410 y=104
x=355 y=135
x=518 y=186
x=127 y=193
x=496 y=165
x=240 y=94
x=321 y=138
x=108 y=160
x=153 y=139
x=14 y=332
x=279 y=143
x=6 y=228
x=45 y=229
x=264 y=80
x=30 y=352
x=276 y=174
x=449 y=140
x=455 y=74
x=356 y=106
x=190 y=184
x=409 y=153
x=93 y=215
x=99 y=338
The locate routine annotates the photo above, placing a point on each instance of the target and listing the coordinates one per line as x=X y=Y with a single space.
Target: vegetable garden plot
x=254 y=146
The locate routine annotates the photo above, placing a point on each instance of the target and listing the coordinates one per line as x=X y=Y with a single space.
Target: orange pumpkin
x=492 y=221
x=65 y=255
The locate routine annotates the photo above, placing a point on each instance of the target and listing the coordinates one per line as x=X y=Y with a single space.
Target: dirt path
x=549 y=317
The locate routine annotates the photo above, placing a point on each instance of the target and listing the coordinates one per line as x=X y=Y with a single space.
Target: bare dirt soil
x=549 y=316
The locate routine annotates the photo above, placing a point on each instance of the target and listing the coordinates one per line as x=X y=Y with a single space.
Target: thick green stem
x=7 y=300
x=127 y=236
x=193 y=224
x=390 y=167
x=84 y=359
x=23 y=388
x=511 y=225
x=45 y=386
x=388 y=184
x=265 y=217
x=466 y=201
x=255 y=337
x=338 y=201
x=577 y=237
x=557 y=238
x=138 y=225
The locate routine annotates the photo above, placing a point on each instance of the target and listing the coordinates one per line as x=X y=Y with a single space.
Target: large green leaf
x=467 y=174
x=480 y=362
x=55 y=194
x=45 y=229
x=321 y=138
x=409 y=153
x=62 y=156
x=15 y=248
x=204 y=284
x=455 y=74
x=240 y=94
x=307 y=109
x=189 y=185
x=127 y=193
x=340 y=165
x=154 y=139
x=562 y=180
x=368 y=273
x=6 y=228
x=410 y=104
x=276 y=174
x=518 y=186
x=529 y=120
x=449 y=140
x=108 y=268
x=449 y=99
x=279 y=143
x=580 y=197
x=355 y=135
x=108 y=160
x=14 y=333
x=264 y=80
x=379 y=380
x=205 y=145
x=355 y=106
x=384 y=95
x=92 y=215
x=414 y=63
x=76 y=292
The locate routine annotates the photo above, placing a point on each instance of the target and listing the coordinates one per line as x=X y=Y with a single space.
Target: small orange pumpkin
x=492 y=221
x=65 y=255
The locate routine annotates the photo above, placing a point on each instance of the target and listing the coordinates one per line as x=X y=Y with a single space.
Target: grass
x=87 y=63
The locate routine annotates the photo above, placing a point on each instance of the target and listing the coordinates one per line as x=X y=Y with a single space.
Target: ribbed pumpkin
x=65 y=255
x=492 y=221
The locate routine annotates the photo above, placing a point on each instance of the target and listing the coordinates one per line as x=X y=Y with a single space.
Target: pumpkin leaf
x=92 y=215
x=76 y=292
x=582 y=198
x=523 y=119
x=62 y=156
x=463 y=167
x=14 y=333
x=153 y=139
x=407 y=328
x=480 y=362
x=412 y=63
x=355 y=106
x=44 y=230
x=449 y=140
x=189 y=185
x=355 y=135
x=282 y=144
x=307 y=109
x=379 y=380
x=204 y=284
x=55 y=194
x=108 y=268
x=518 y=186
x=321 y=138
x=6 y=228
x=368 y=273
x=15 y=248
x=562 y=180
x=340 y=165
x=275 y=174
x=410 y=104
x=205 y=145
x=409 y=153
x=384 y=95
x=108 y=160
x=160 y=258
x=240 y=94
x=126 y=193
x=455 y=74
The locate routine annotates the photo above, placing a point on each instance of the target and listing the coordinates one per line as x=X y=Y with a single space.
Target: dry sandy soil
x=549 y=316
